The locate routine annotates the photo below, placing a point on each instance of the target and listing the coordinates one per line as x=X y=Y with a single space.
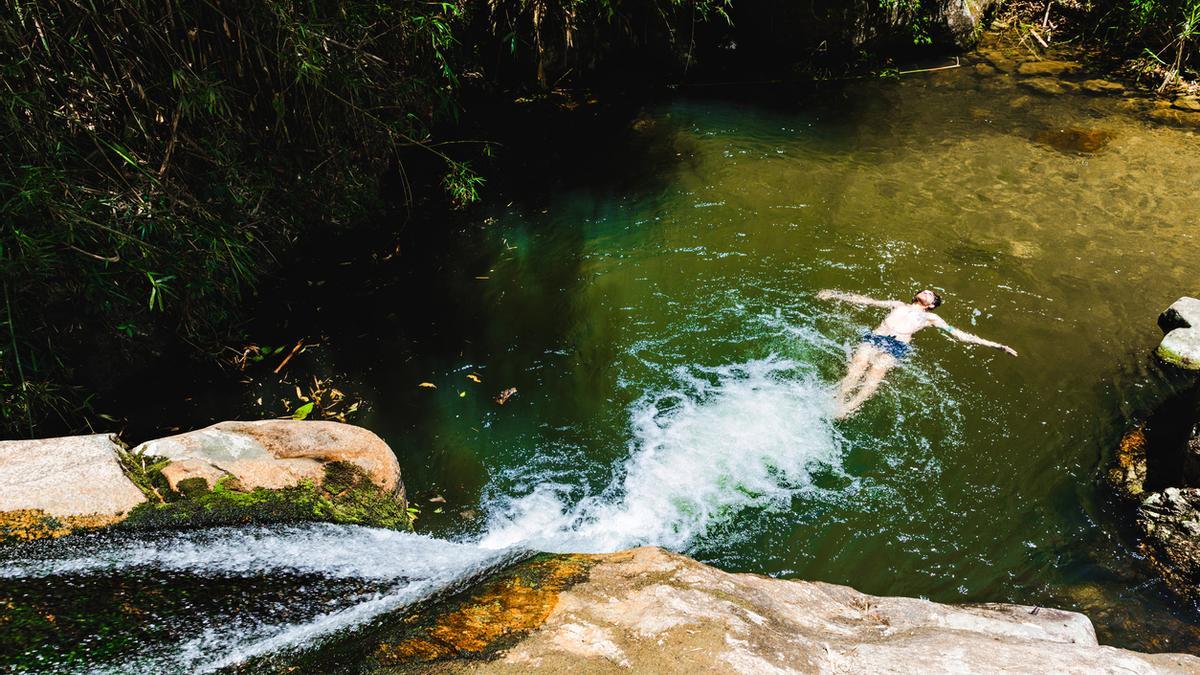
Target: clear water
x=674 y=370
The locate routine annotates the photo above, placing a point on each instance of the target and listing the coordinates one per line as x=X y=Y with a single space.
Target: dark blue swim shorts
x=888 y=344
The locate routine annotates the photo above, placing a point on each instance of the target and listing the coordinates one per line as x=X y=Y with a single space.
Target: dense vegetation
x=161 y=157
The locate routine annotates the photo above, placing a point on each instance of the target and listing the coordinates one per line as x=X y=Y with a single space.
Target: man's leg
x=858 y=366
x=871 y=381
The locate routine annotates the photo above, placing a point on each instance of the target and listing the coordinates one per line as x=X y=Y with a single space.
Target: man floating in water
x=884 y=347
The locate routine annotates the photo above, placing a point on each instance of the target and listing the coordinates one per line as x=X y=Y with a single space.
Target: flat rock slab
x=68 y=476
x=274 y=454
x=1047 y=85
x=1102 y=87
x=1180 y=346
x=1187 y=104
x=1048 y=68
x=647 y=610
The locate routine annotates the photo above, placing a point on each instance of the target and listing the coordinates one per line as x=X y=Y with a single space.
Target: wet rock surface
x=648 y=610
x=1049 y=68
x=1074 y=140
x=1127 y=475
x=1169 y=522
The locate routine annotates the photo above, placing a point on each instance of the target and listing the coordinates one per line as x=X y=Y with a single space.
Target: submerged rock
x=1074 y=140
x=1046 y=85
x=1128 y=473
x=50 y=486
x=272 y=454
x=1101 y=87
x=1048 y=68
x=1180 y=346
x=1186 y=103
x=647 y=610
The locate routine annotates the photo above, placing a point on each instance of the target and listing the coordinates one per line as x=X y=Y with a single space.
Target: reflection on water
x=674 y=368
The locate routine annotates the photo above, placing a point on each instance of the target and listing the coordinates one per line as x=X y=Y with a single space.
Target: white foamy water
x=332 y=551
x=715 y=443
x=723 y=440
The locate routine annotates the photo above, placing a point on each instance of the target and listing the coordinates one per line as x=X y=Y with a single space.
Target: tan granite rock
x=647 y=610
x=274 y=453
x=68 y=476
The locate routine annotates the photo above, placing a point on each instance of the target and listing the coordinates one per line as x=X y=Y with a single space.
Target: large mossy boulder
x=272 y=471
x=272 y=454
x=51 y=486
x=1180 y=347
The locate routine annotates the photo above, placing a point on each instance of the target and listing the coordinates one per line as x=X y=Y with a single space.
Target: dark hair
x=937 y=299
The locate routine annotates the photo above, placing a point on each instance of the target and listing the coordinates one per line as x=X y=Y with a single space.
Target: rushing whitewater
x=725 y=439
x=720 y=440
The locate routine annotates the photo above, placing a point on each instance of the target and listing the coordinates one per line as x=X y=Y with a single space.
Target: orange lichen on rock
x=34 y=524
x=503 y=610
x=1128 y=473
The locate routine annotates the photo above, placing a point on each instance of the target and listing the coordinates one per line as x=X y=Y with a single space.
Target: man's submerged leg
x=880 y=366
x=854 y=373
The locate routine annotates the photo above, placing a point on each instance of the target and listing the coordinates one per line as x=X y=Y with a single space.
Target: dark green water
x=673 y=365
x=674 y=371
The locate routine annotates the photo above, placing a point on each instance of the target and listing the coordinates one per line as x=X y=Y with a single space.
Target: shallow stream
x=674 y=372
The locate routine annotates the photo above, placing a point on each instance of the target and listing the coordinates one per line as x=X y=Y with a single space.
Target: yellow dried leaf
x=474 y=378
x=428 y=385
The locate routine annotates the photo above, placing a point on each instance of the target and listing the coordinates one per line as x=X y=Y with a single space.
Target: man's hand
x=1008 y=350
x=826 y=294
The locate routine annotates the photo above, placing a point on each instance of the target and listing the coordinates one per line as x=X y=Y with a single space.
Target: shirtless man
x=883 y=348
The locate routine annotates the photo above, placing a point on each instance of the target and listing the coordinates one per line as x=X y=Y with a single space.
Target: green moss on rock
x=346 y=496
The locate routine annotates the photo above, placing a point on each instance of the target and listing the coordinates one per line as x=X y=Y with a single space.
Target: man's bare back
x=883 y=348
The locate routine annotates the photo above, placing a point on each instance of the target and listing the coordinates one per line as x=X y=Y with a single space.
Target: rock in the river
x=1186 y=103
x=647 y=610
x=273 y=454
x=1101 y=87
x=1181 y=345
x=1046 y=85
x=51 y=486
x=1128 y=473
x=1048 y=68
x=1169 y=522
x=1074 y=140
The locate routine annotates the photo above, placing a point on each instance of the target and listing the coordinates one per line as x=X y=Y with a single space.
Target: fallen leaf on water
x=462 y=394
x=474 y=378
x=428 y=385
x=505 y=395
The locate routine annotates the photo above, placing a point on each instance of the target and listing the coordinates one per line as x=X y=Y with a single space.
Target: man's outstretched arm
x=964 y=336
x=857 y=299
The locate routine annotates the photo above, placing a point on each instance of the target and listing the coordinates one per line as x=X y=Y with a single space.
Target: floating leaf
x=474 y=378
x=428 y=385
x=303 y=411
x=505 y=395
x=462 y=394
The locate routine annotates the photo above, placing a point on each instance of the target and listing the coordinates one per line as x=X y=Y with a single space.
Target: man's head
x=928 y=299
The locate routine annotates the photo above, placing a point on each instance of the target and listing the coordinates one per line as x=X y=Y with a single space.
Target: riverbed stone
x=648 y=610
x=273 y=454
x=1186 y=103
x=1180 y=346
x=1046 y=85
x=1048 y=68
x=1127 y=475
x=1101 y=87
x=72 y=476
x=1169 y=522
